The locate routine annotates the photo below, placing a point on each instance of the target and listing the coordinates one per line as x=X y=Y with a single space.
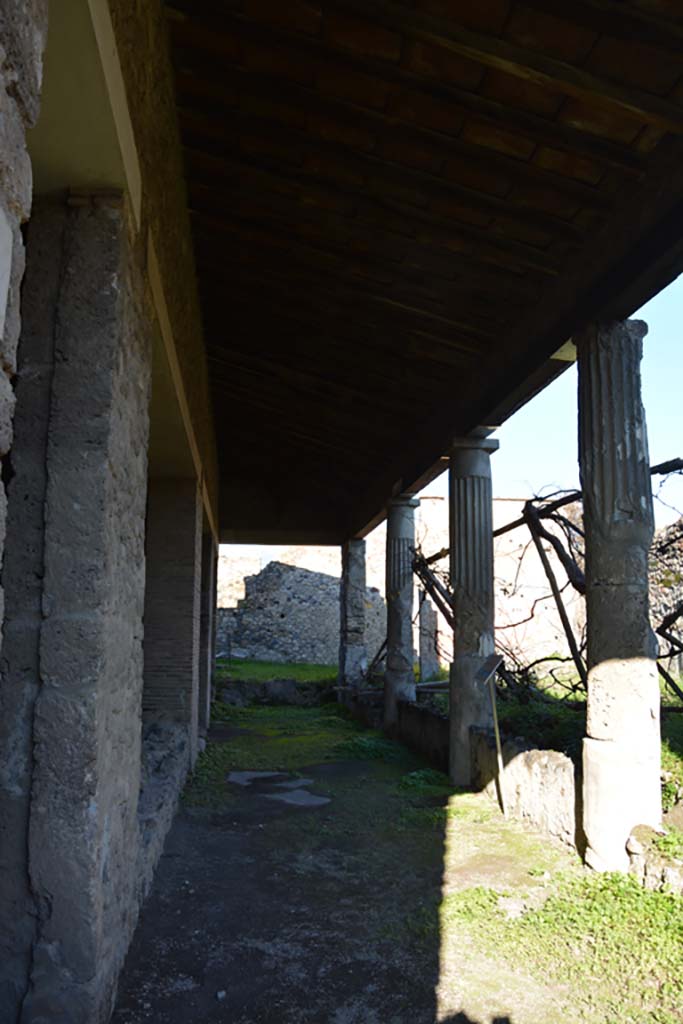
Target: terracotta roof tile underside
x=400 y=211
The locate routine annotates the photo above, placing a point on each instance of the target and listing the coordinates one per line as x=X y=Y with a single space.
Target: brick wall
x=173 y=603
x=206 y=640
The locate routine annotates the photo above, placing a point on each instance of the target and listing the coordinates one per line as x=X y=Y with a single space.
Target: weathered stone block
x=16 y=176
x=23 y=33
x=6 y=413
x=539 y=786
x=621 y=790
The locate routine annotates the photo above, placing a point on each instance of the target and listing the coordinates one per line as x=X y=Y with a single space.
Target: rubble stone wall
x=23 y=32
x=290 y=614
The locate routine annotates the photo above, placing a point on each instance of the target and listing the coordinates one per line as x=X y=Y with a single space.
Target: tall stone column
x=429 y=626
x=74 y=578
x=621 y=752
x=399 y=678
x=471 y=540
x=353 y=657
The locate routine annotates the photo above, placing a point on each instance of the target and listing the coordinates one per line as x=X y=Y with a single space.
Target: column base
x=621 y=789
x=470 y=705
x=396 y=687
x=353 y=665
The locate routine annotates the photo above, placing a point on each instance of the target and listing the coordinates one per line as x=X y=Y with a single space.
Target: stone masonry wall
x=23 y=32
x=75 y=578
x=290 y=614
x=666 y=583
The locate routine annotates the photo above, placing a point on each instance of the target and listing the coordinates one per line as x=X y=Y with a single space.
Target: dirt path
x=270 y=906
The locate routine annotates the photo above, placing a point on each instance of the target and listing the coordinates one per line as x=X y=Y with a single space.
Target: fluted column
x=621 y=753
x=353 y=657
x=471 y=539
x=399 y=677
x=429 y=631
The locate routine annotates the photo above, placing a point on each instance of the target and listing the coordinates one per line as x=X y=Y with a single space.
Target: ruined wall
x=292 y=614
x=541 y=787
x=75 y=578
x=666 y=584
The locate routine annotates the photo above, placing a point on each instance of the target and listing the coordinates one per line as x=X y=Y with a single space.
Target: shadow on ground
x=268 y=907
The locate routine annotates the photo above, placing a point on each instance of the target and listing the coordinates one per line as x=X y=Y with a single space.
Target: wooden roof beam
x=213 y=135
x=185 y=18
x=384 y=364
x=208 y=74
x=516 y=60
x=334 y=296
x=402 y=258
x=617 y=19
x=491 y=250
x=309 y=260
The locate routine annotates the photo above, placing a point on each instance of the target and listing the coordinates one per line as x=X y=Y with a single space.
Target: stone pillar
x=471 y=540
x=173 y=604
x=429 y=631
x=74 y=576
x=207 y=630
x=621 y=752
x=353 y=656
x=399 y=678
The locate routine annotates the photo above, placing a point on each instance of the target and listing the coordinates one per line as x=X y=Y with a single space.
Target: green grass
x=263 y=671
x=555 y=726
x=288 y=739
x=671 y=844
x=619 y=947
x=559 y=726
x=672 y=757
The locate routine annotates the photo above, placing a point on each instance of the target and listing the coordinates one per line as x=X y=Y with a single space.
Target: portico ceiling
x=401 y=210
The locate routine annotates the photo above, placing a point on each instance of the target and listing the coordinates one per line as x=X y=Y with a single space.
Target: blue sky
x=538 y=445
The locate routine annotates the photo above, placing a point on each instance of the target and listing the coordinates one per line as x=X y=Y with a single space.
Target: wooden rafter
x=618 y=19
x=527 y=124
x=431 y=233
x=210 y=76
x=377 y=172
x=516 y=60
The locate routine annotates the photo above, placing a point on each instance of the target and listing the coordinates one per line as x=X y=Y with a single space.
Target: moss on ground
x=288 y=740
